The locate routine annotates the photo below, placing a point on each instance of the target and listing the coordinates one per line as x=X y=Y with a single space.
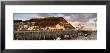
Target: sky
x=73 y=18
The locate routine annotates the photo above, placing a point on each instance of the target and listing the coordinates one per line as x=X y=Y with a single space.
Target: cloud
x=82 y=17
x=73 y=18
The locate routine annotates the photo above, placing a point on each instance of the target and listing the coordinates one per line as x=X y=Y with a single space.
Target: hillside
x=48 y=21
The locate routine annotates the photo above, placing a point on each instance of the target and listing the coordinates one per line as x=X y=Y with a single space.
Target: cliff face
x=48 y=21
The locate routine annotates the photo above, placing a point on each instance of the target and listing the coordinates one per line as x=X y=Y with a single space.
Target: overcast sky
x=83 y=17
x=73 y=18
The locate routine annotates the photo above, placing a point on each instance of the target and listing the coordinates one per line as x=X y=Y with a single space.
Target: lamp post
x=95 y=21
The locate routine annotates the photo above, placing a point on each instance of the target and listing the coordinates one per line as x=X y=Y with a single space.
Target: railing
x=39 y=35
